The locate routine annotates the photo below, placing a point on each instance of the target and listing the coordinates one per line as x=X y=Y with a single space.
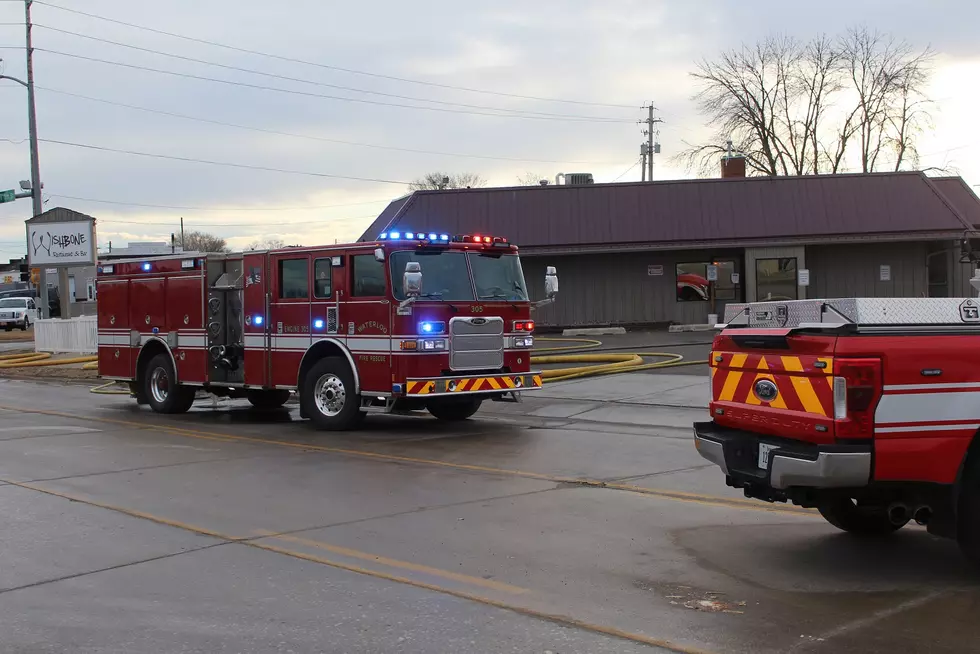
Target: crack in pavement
x=662 y=472
x=118 y=566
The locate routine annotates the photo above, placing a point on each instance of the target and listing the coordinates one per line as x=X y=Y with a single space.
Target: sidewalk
x=675 y=400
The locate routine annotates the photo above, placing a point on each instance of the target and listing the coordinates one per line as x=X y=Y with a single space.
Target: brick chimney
x=733 y=166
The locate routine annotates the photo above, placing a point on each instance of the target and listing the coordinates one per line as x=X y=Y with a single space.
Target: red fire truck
x=866 y=409
x=412 y=321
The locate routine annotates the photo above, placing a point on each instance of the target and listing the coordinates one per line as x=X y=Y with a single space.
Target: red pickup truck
x=866 y=409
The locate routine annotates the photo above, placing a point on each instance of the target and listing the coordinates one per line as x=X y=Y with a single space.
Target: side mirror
x=550 y=282
x=412 y=279
x=379 y=254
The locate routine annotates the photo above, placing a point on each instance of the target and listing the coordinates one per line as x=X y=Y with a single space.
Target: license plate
x=765 y=450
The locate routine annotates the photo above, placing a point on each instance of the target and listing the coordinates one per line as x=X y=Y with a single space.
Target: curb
x=595 y=331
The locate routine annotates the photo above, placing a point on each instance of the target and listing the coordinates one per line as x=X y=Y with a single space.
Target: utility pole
x=651 y=147
x=38 y=205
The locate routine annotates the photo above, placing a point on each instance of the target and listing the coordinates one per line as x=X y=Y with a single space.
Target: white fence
x=76 y=335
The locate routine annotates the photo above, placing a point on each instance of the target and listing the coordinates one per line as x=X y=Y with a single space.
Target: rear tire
x=864 y=521
x=968 y=511
x=160 y=387
x=328 y=397
x=455 y=410
x=268 y=400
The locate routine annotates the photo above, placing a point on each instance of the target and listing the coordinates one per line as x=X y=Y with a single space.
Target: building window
x=369 y=276
x=692 y=281
x=294 y=279
x=322 y=279
x=775 y=279
x=938 y=271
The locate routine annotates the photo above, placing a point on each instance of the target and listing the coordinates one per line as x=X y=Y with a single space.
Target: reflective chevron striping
x=798 y=379
x=804 y=390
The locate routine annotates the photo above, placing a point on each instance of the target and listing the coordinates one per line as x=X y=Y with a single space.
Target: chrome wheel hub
x=330 y=395
x=159 y=385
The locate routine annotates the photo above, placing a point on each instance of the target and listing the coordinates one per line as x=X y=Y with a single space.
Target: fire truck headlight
x=318 y=323
x=432 y=344
x=524 y=341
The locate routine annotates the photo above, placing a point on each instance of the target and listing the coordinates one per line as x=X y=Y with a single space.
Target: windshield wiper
x=494 y=296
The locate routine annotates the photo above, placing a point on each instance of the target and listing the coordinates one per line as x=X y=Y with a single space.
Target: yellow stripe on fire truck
x=472 y=384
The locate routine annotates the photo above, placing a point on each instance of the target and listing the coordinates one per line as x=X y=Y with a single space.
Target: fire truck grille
x=476 y=343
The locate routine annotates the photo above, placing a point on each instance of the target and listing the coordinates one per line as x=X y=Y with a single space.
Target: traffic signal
x=25 y=274
x=35 y=276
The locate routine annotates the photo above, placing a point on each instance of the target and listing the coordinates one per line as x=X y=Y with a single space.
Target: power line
x=322 y=95
x=625 y=172
x=223 y=209
x=304 y=136
x=301 y=80
x=351 y=71
x=228 y=164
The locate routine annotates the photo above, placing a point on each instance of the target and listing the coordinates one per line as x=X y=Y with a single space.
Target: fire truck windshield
x=447 y=277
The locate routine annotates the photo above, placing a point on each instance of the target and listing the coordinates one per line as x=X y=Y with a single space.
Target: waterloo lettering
x=374 y=325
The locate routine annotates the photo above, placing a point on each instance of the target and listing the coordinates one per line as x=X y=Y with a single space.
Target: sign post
x=61 y=239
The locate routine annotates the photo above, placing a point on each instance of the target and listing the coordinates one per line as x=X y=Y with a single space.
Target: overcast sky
x=620 y=52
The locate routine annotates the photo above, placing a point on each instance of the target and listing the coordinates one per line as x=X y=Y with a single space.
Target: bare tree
x=202 y=242
x=796 y=108
x=269 y=243
x=529 y=179
x=440 y=180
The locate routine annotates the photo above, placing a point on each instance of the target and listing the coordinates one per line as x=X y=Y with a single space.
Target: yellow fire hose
x=607 y=363
x=603 y=364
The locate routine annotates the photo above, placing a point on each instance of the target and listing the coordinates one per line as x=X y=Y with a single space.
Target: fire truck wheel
x=163 y=393
x=455 y=410
x=327 y=395
x=860 y=520
x=268 y=400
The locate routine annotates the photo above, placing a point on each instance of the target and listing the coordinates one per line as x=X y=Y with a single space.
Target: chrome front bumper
x=790 y=465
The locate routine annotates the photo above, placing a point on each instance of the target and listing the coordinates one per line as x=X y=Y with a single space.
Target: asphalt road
x=226 y=530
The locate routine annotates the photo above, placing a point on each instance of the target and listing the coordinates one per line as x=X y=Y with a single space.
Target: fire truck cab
x=412 y=321
x=867 y=409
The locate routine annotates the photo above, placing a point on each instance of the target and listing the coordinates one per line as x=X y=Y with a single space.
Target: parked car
x=54 y=299
x=17 y=312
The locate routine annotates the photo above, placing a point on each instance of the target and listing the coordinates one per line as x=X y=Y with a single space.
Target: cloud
x=629 y=53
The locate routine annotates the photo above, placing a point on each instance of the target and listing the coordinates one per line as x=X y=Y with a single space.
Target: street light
x=35 y=191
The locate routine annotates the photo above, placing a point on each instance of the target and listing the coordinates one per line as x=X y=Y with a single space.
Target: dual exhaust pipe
x=899 y=514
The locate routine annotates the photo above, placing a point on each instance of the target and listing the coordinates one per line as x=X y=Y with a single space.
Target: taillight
x=857 y=389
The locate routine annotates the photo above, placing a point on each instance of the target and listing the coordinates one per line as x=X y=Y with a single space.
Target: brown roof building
x=642 y=252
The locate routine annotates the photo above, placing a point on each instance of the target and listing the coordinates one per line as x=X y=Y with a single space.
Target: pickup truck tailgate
x=774 y=382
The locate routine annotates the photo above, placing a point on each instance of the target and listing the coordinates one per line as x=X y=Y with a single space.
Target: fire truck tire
x=163 y=393
x=327 y=395
x=968 y=511
x=456 y=410
x=268 y=400
x=865 y=521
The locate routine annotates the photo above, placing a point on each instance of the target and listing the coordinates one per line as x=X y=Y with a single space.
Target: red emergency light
x=523 y=325
x=479 y=238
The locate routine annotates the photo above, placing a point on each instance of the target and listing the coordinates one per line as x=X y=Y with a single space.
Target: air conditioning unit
x=574 y=179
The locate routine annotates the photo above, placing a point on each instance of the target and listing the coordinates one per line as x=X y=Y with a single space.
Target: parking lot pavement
x=231 y=530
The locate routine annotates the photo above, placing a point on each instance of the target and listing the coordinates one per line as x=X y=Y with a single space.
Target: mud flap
x=514 y=396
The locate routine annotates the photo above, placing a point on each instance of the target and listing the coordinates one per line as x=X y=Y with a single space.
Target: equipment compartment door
x=115 y=358
x=256 y=309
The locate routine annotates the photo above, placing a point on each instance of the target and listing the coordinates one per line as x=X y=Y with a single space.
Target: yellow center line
x=683 y=496
x=481 y=599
